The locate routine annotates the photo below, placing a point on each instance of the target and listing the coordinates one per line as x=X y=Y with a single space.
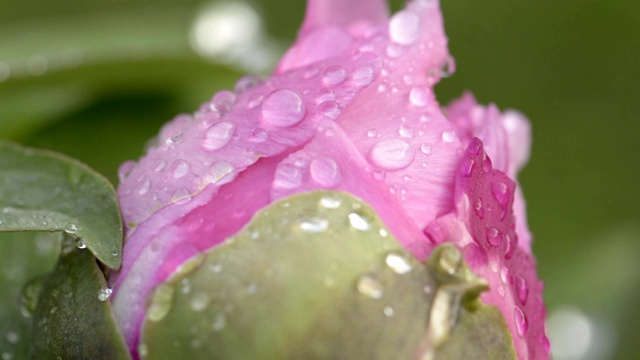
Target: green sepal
x=71 y=321
x=313 y=276
x=46 y=191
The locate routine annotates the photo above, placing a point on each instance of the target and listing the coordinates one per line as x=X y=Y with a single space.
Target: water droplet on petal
x=420 y=96
x=283 y=107
x=479 y=210
x=449 y=68
x=258 y=135
x=522 y=289
x=330 y=109
x=179 y=168
x=334 y=75
x=494 y=236
x=160 y=165
x=218 y=170
x=104 y=293
x=325 y=171
x=218 y=135
x=512 y=243
x=359 y=221
x=362 y=76
x=404 y=27
x=314 y=225
x=125 y=169
x=393 y=154
x=247 y=82
x=522 y=324
x=398 y=263
x=426 y=149
x=372 y=133
x=254 y=101
x=181 y=196
x=500 y=192
x=394 y=50
x=369 y=286
x=287 y=177
x=405 y=132
x=222 y=101
x=144 y=187
x=504 y=274
x=449 y=136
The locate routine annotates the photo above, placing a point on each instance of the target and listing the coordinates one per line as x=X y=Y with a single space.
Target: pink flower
x=350 y=107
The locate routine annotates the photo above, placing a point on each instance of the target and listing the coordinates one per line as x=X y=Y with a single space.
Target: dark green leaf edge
x=42 y=190
x=73 y=319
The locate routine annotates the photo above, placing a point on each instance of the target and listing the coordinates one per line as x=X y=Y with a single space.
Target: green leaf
x=72 y=320
x=313 y=276
x=24 y=256
x=46 y=191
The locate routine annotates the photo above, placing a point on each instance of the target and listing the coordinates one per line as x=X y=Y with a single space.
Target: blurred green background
x=97 y=79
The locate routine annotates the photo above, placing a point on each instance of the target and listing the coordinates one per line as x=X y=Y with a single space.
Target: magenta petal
x=484 y=227
x=344 y=13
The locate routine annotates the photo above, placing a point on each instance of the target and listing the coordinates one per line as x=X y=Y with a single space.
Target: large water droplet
x=334 y=75
x=522 y=289
x=398 y=263
x=104 y=293
x=494 y=236
x=392 y=154
x=522 y=324
x=404 y=27
x=420 y=96
x=330 y=109
x=314 y=225
x=287 y=177
x=80 y=243
x=449 y=136
x=362 y=76
x=325 y=171
x=369 y=286
x=179 y=168
x=218 y=135
x=359 y=221
x=283 y=107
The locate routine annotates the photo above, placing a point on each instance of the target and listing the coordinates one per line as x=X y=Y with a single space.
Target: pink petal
x=507 y=140
x=483 y=225
x=332 y=161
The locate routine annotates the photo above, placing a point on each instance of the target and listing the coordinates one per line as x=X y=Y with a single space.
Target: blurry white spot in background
x=232 y=32
x=576 y=336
